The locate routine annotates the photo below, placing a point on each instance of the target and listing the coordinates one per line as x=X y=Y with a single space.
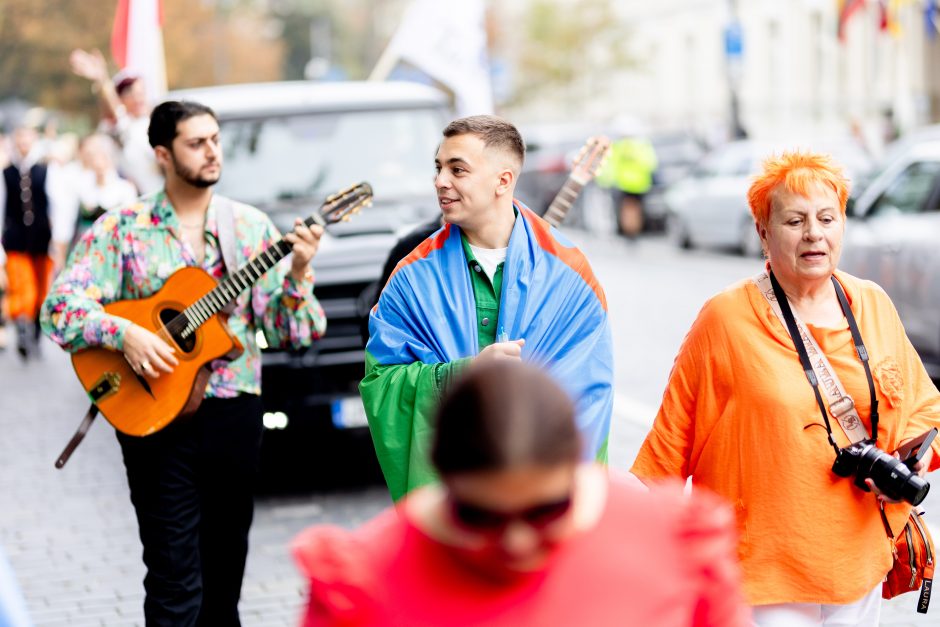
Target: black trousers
x=192 y=487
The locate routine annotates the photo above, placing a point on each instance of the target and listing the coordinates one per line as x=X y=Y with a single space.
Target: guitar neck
x=556 y=212
x=234 y=284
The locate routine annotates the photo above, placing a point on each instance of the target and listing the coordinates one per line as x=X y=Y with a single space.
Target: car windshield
x=676 y=149
x=299 y=157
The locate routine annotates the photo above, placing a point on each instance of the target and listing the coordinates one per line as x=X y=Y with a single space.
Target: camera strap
x=816 y=365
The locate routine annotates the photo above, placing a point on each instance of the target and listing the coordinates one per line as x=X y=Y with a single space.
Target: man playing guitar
x=190 y=482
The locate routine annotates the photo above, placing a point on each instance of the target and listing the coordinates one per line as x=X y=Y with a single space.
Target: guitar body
x=138 y=405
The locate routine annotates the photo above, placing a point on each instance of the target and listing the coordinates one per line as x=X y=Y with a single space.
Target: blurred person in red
x=126 y=117
x=36 y=231
x=522 y=531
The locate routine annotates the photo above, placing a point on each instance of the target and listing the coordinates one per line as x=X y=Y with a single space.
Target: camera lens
x=893 y=477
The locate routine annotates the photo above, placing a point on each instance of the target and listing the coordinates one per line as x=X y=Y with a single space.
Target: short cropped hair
x=796 y=172
x=166 y=117
x=504 y=415
x=494 y=131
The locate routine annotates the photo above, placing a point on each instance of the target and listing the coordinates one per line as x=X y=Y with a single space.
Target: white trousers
x=866 y=612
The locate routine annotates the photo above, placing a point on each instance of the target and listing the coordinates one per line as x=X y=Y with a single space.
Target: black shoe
x=23 y=340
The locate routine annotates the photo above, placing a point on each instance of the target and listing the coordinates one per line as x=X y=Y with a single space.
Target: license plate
x=348 y=413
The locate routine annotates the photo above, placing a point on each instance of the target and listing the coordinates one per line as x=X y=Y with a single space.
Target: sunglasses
x=483 y=519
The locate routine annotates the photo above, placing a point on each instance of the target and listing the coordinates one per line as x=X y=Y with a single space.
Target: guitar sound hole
x=186 y=344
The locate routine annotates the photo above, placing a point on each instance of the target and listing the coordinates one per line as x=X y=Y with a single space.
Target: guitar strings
x=185 y=323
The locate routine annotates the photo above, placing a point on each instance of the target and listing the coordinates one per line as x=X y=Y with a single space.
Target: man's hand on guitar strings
x=304 y=241
x=148 y=354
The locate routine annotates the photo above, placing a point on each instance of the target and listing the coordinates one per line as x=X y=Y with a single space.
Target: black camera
x=891 y=475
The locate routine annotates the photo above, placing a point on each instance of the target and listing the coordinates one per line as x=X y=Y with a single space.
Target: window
x=735 y=159
x=307 y=156
x=909 y=192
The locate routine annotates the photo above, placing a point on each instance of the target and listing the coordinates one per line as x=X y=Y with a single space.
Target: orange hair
x=797 y=172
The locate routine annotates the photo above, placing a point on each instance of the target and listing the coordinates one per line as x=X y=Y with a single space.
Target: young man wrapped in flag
x=496 y=282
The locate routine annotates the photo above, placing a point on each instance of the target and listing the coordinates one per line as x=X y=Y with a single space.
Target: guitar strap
x=78 y=437
x=225 y=222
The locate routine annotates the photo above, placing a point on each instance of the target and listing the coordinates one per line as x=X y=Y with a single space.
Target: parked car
x=286 y=147
x=891 y=238
x=676 y=155
x=709 y=207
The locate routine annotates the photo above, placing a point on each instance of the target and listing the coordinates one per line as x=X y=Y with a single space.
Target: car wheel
x=677 y=233
x=749 y=243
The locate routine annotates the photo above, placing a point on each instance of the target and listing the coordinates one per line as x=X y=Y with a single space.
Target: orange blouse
x=740 y=418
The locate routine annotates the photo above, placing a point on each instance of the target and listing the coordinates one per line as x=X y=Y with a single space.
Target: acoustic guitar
x=187 y=313
x=584 y=167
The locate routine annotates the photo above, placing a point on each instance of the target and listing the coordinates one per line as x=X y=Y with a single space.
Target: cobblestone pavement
x=71 y=535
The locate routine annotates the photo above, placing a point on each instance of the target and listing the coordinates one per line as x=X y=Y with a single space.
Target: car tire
x=677 y=233
x=749 y=243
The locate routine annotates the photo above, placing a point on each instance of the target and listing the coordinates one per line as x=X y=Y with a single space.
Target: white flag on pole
x=447 y=41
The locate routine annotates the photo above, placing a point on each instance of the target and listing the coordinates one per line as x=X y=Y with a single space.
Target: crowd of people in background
x=65 y=183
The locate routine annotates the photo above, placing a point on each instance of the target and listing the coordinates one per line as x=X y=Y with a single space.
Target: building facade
x=782 y=65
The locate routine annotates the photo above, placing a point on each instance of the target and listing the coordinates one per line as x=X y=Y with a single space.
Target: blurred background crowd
x=707 y=86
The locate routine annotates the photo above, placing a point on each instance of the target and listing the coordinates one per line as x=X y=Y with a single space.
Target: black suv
x=286 y=147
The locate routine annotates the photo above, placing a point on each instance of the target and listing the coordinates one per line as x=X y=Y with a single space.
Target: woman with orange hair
x=743 y=413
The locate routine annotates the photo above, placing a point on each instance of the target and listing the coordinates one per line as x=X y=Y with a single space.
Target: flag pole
x=385 y=64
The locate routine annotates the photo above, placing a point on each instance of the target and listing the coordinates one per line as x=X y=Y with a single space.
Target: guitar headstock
x=342 y=205
x=590 y=159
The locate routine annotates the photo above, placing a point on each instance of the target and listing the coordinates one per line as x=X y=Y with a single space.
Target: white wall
x=795 y=78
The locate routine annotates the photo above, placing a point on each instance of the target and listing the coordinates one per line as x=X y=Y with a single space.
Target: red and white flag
x=137 y=43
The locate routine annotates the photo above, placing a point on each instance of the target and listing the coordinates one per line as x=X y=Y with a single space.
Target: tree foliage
x=562 y=41
x=206 y=42
x=36 y=37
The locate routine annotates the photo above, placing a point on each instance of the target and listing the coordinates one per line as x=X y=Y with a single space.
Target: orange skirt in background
x=28 y=278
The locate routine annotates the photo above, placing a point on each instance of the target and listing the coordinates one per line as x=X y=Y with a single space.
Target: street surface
x=71 y=534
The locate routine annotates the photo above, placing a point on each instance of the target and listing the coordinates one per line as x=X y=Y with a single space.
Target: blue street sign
x=734 y=40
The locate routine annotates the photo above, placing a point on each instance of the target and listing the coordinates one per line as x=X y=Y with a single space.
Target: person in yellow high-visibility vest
x=629 y=174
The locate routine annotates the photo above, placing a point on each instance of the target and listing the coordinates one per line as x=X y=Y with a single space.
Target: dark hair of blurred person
x=132 y=92
x=488 y=429
x=522 y=531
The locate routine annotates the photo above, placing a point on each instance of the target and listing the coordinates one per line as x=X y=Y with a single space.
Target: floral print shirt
x=130 y=252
